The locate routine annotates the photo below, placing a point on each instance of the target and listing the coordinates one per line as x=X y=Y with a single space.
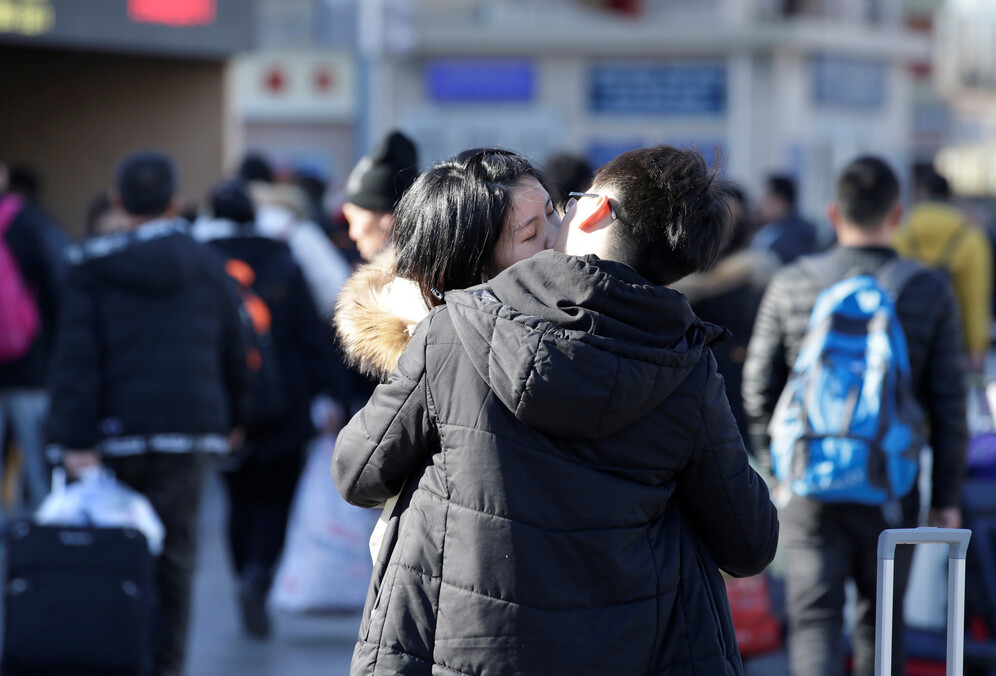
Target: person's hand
x=977 y=363
x=335 y=418
x=76 y=461
x=944 y=517
x=327 y=415
x=236 y=438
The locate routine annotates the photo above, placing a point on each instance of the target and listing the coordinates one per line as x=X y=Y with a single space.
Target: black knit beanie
x=380 y=178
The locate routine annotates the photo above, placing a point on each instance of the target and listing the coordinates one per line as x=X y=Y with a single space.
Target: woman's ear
x=592 y=221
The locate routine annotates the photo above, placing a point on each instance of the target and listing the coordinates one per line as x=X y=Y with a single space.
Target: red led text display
x=173 y=12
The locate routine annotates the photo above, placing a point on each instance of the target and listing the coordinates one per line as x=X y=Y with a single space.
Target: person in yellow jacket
x=939 y=236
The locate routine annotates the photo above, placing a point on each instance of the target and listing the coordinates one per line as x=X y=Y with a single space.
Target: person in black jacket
x=827 y=543
x=784 y=231
x=262 y=481
x=23 y=402
x=149 y=371
x=577 y=479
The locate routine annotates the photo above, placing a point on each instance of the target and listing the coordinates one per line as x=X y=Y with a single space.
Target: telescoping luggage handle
x=957 y=541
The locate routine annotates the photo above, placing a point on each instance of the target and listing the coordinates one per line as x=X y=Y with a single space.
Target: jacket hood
x=155 y=258
x=237 y=240
x=376 y=315
x=933 y=225
x=579 y=348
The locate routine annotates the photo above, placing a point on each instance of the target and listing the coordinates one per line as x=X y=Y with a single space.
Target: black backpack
x=267 y=402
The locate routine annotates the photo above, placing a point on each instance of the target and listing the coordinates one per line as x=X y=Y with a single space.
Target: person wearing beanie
x=283 y=214
x=373 y=190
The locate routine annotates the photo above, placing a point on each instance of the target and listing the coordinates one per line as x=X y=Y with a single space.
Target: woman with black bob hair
x=463 y=221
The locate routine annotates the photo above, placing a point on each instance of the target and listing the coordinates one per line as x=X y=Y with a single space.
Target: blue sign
x=658 y=89
x=602 y=150
x=480 y=80
x=849 y=82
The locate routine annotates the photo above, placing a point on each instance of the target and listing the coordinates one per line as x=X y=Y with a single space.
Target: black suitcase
x=76 y=601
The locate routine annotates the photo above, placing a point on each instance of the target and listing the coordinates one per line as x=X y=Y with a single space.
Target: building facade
x=797 y=87
x=87 y=81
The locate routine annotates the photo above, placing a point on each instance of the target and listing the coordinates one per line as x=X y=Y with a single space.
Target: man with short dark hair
x=149 y=372
x=939 y=235
x=784 y=231
x=825 y=542
x=579 y=480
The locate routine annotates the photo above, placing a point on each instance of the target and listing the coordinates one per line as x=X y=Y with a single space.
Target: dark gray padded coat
x=577 y=482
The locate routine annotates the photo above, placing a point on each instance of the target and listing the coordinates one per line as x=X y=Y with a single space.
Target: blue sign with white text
x=849 y=82
x=658 y=89
x=480 y=80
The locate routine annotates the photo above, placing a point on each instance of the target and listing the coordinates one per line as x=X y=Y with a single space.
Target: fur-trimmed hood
x=376 y=317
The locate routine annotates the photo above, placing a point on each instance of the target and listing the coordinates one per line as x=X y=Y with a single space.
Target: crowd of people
x=580 y=374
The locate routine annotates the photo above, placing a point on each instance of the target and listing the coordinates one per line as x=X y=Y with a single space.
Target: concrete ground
x=299 y=646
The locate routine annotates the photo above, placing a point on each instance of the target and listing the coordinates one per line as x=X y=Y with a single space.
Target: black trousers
x=825 y=545
x=260 y=499
x=173 y=483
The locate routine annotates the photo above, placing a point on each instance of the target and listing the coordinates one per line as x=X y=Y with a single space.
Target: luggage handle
x=957 y=540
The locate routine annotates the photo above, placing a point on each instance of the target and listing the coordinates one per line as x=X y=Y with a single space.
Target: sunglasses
x=574 y=200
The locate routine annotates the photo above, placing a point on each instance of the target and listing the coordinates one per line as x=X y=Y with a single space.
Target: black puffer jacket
x=149 y=354
x=580 y=482
x=928 y=314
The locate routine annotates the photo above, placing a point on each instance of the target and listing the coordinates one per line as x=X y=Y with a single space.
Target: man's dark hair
x=935 y=186
x=742 y=224
x=783 y=187
x=26 y=182
x=867 y=191
x=230 y=200
x=570 y=173
x=256 y=168
x=449 y=221
x=146 y=183
x=674 y=214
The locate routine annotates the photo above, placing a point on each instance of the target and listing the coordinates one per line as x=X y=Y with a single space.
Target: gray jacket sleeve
x=722 y=495
x=391 y=437
x=765 y=369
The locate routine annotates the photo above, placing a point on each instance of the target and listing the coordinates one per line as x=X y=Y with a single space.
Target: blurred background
x=790 y=86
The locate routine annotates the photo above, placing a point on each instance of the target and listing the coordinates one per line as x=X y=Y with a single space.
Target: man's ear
x=175 y=206
x=833 y=214
x=895 y=217
x=593 y=221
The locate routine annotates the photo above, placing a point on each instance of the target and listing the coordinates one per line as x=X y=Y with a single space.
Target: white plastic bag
x=326 y=564
x=100 y=500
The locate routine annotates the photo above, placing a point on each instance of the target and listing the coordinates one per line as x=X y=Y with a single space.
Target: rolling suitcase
x=77 y=600
x=957 y=541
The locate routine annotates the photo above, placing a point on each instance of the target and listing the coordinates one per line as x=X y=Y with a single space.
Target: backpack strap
x=896 y=275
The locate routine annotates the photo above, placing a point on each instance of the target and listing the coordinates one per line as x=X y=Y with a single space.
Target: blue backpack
x=847 y=427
